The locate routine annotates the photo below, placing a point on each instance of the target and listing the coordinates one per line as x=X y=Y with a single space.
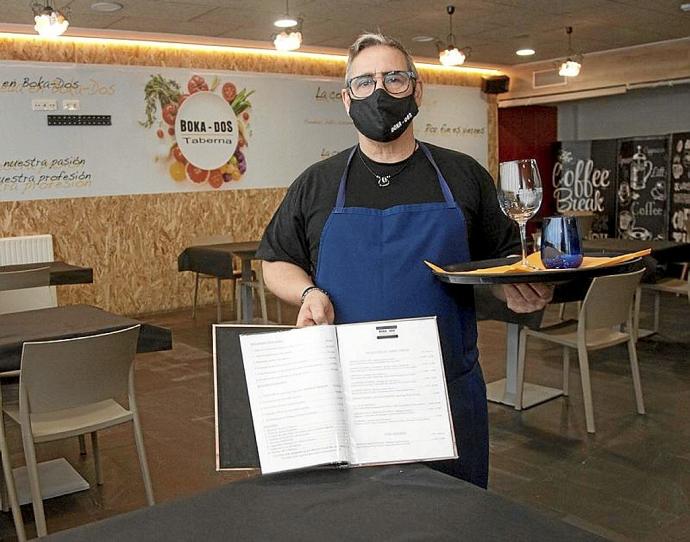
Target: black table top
x=60 y=272
x=395 y=502
x=67 y=322
x=215 y=259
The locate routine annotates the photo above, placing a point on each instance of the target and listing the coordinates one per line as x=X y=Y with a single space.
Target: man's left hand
x=527 y=297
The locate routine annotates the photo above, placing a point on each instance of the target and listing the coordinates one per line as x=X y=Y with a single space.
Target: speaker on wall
x=496 y=84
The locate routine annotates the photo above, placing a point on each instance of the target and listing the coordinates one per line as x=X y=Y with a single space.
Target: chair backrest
x=72 y=372
x=21 y=250
x=28 y=278
x=609 y=299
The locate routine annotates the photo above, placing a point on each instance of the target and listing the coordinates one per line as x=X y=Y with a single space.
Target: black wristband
x=309 y=289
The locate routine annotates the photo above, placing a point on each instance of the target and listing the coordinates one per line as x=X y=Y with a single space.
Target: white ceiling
x=494 y=29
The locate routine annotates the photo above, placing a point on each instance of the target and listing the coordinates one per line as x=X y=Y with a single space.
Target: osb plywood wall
x=132 y=242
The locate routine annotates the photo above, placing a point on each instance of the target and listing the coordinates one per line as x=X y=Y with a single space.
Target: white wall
x=635 y=113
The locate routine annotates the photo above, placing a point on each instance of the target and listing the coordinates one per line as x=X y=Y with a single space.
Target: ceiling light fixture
x=106 y=7
x=570 y=67
x=50 y=22
x=524 y=52
x=451 y=55
x=286 y=21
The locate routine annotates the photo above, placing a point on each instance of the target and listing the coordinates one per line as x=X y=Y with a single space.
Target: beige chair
x=680 y=286
x=73 y=387
x=25 y=290
x=607 y=305
x=257 y=284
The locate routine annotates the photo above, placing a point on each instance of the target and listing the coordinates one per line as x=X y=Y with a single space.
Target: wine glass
x=519 y=195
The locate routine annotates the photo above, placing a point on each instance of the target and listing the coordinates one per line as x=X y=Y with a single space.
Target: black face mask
x=382 y=117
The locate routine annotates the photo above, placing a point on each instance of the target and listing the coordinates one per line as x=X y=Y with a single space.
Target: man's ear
x=418 y=92
x=345 y=96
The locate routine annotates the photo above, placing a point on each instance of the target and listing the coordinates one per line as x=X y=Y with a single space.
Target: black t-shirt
x=294 y=233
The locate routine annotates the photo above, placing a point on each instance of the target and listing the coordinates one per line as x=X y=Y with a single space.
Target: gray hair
x=372 y=39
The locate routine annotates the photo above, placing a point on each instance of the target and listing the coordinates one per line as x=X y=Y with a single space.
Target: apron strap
x=340 y=201
x=447 y=195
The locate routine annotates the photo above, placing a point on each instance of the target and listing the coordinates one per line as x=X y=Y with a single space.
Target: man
x=349 y=240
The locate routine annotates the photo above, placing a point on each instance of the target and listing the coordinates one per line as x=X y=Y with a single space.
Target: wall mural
x=120 y=130
x=637 y=188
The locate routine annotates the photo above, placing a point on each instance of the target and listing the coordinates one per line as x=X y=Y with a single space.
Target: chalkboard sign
x=680 y=187
x=235 y=440
x=642 y=188
x=584 y=181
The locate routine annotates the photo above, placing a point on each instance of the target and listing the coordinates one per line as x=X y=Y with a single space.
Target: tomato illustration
x=215 y=179
x=196 y=84
x=170 y=112
x=160 y=133
x=229 y=92
x=177 y=154
x=196 y=174
x=171 y=131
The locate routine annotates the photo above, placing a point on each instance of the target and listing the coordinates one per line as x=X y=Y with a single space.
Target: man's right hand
x=317 y=309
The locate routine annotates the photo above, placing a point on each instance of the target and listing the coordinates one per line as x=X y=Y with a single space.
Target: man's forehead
x=378 y=58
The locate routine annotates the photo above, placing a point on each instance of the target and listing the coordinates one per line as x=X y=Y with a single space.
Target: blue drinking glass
x=560 y=243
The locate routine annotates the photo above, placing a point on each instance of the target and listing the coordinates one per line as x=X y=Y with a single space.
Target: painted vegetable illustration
x=163 y=98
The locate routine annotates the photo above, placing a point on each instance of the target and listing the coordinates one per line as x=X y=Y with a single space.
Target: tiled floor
x=630 y=481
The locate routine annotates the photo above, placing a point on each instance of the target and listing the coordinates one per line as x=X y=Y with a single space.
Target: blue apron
x=371 y=263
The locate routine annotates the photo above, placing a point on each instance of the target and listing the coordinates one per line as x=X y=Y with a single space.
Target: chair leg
x=657 y=307
x=279 y=310
x=561 y=311
x=238 y=300
x=34 y=484
x=9 y=490
x=566 y=369
x=96 y=458
x=219 y=311
x=635 y=369
x=196 y=293
x=82 y=445
x=637 y=300
x=262 y=301
x=522 y=350
x=143 y=463
x=586 y=388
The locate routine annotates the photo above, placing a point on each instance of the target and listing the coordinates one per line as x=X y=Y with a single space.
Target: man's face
x=375 y=61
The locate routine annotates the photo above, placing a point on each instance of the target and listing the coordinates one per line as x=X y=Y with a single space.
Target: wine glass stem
x=523 y=242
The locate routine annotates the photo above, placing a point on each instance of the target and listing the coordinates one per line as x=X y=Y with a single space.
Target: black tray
x=550 y=276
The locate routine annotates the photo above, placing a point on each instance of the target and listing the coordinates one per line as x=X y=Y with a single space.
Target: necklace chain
x=382 y=180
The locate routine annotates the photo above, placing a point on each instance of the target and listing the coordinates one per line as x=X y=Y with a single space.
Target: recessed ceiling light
x=685 y=7
x=423 y=39
x=106 y=7
x=524 y=52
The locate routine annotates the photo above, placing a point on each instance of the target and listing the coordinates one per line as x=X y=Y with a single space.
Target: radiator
x=27 y=249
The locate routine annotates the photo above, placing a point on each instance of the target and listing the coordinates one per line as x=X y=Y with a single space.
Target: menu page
x=395 y=390
x=293 y=381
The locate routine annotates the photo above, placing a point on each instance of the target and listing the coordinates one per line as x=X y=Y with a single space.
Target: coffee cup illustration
x=625 y=221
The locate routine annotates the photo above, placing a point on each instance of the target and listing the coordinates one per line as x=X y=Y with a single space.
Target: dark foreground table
x=397 y=502
x=60 y=272
x=67 y=322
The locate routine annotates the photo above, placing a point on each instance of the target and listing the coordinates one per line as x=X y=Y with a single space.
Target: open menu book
x=350 y=394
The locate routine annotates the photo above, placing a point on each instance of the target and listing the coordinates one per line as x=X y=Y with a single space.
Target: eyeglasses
x=394 y=82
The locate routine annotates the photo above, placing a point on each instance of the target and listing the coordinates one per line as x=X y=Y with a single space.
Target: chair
x=678 y=286
x=73 y=387
x=607 y=305
x=25 y=290
x=256 y=282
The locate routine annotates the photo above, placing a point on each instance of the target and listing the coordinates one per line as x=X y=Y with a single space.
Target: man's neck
x=390 y=152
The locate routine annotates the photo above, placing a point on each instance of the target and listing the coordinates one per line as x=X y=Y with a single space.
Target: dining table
x=217 y=260
x=61 y=273
x=64 y=322
x=389 y=502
